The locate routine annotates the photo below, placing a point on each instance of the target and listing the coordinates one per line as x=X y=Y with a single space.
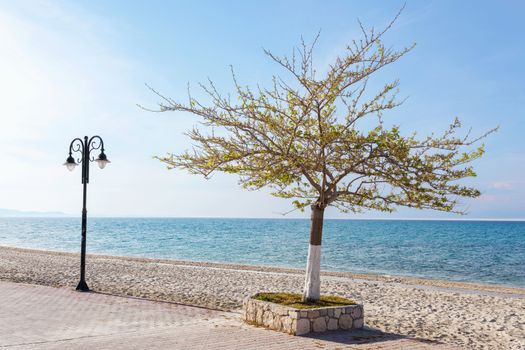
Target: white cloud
x=50 y=76
x=63 y=78
x=59 y=80
x=502 y=185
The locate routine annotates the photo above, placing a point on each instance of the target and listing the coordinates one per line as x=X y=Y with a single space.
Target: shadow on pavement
x=362 y=336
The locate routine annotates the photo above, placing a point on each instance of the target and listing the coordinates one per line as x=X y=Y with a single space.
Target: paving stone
x=41 y=318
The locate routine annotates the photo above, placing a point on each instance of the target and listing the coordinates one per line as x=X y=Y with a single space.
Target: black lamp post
x=84 y=148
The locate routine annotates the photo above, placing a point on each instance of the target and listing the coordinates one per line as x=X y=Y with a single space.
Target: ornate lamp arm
x=94 y=143
x=77 y=145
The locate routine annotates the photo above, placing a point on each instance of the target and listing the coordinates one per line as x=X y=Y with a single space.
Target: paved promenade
x=38 y=317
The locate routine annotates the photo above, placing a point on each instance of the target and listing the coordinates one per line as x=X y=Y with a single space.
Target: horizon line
x=264 y=218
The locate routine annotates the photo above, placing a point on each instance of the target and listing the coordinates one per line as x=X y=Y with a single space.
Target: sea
x=490 y=252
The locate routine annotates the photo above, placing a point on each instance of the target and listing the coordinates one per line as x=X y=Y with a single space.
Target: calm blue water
x=489 y=252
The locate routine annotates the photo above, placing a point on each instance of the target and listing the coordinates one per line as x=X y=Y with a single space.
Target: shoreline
x=385 y=278
x=472 y=316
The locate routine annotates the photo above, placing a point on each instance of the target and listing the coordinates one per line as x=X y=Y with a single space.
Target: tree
x=304 y=138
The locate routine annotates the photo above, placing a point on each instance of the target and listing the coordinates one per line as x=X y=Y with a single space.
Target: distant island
x=7 y=213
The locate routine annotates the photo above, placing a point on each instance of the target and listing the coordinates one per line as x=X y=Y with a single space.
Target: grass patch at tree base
x=296 y=300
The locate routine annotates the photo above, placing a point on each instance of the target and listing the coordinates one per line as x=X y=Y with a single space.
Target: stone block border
x=301 y=321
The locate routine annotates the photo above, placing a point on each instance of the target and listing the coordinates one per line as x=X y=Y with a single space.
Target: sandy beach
x=473 y=316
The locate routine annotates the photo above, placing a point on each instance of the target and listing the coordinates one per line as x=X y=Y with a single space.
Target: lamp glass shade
x=70 y=164
x=102 y=163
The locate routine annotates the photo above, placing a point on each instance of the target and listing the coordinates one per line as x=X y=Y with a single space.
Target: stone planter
x=301 y=321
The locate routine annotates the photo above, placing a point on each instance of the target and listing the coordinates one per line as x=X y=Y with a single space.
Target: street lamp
x=84 y=148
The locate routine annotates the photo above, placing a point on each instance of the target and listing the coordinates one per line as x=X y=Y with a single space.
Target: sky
x=75 y=68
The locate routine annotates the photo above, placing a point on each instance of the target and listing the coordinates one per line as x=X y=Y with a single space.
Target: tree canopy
x=302 y=137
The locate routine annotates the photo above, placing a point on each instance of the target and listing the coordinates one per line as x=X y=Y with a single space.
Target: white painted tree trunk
x=312 y=285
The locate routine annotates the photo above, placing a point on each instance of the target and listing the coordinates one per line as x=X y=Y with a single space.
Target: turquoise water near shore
x=473 y=251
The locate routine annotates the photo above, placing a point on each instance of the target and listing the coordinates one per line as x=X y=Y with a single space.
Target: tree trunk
x=312 y=285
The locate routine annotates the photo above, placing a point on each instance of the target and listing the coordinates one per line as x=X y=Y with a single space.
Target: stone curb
x=301 y=321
